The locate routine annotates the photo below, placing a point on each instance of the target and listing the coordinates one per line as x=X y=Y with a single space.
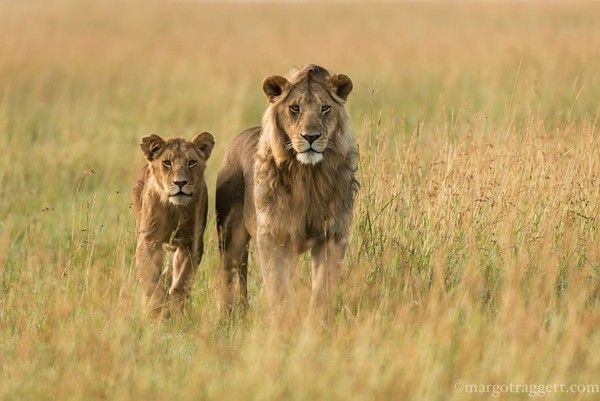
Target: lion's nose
x=180 y=184
x=311 y=136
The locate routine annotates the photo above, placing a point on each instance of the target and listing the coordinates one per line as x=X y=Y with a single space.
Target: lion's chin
x=180 y=200
x=309 y=157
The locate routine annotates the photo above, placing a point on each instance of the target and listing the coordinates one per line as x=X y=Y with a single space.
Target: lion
x=290 y=184
x=170 y=201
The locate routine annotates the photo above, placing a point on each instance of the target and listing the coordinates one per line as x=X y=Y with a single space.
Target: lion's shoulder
x=138 y=189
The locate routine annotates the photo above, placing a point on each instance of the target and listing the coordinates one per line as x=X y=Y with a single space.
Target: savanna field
x=475 y=253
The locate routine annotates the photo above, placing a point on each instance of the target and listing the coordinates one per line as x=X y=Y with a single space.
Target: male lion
x=291 y=185
x=170 y=202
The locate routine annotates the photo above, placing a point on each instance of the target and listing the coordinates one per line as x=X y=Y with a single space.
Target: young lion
x=170 y=202
x=291 y=185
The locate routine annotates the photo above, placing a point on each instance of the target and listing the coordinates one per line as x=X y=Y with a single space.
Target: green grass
x=474 y=253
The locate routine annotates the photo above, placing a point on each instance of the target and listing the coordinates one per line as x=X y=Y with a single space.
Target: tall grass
x=475 y=252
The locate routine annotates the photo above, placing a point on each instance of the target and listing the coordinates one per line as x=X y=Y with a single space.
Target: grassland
x=475 y=253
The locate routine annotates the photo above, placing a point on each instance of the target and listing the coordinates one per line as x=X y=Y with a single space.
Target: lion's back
x=236 y=172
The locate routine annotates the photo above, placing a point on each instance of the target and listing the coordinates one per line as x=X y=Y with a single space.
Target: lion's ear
x=152 y=146
x=205 y=142
x=274 y=86
x=342 y=85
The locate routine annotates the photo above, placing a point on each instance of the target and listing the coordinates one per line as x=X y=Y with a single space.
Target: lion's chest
x=305 y=207
x=178 y=227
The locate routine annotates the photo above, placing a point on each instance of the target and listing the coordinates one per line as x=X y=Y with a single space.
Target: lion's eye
x=325 y=109
x=192 y=163
x=167 y=163
x=295 y=108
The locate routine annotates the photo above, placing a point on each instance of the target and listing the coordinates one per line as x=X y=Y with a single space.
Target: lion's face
x=309 y=109
x=177 y=165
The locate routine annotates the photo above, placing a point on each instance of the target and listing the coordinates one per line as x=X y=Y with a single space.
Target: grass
x=475 y=252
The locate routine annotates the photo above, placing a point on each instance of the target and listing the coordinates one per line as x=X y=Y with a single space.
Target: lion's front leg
x=327 y=258
x=185 y=263
x=276 y=262
x=149 y=258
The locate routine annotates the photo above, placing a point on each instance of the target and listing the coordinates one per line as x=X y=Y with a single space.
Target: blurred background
x=101 y=74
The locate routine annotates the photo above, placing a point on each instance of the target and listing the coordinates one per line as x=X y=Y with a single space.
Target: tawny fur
x=170 y=223
x=266 y=190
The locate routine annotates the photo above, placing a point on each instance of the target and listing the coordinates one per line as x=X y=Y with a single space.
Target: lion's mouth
x=180 y=194
x=310 y=156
